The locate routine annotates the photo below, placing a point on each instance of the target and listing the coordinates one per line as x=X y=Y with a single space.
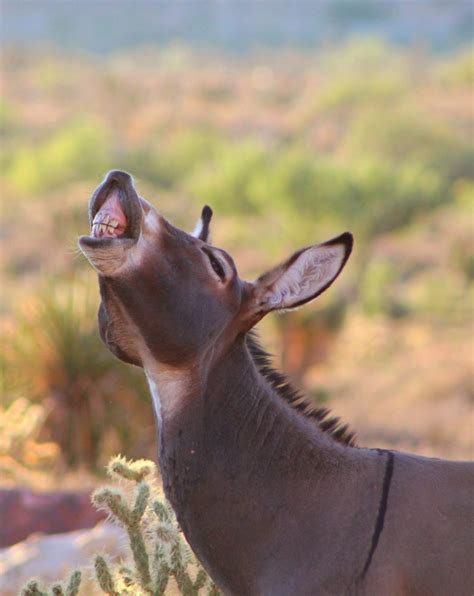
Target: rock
x=25 y=512
x=53 y=557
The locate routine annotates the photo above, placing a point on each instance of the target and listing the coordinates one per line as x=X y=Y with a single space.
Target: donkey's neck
x=231 y=414
x=232 y=454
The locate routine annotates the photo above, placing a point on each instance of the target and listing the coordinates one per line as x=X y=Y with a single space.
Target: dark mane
x=284 y=388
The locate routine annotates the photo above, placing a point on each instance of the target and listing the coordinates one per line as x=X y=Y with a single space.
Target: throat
x=179 y=413
x=172 y=396
x=229 y=421
x=155 y=396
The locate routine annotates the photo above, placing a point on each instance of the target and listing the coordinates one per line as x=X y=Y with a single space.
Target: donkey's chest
x=249 y=550
x=221 y=518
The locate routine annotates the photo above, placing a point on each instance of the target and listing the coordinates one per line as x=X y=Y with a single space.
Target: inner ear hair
x=305 y=275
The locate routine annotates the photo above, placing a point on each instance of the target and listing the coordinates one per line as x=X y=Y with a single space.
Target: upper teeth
x=104 y=223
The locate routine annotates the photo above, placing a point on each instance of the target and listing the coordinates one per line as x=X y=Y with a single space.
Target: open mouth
x=114 y=211
x=110 y=221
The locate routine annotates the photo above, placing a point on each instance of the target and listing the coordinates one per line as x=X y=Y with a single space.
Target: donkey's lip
x=105 y=241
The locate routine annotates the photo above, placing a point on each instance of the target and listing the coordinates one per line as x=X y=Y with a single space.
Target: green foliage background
x=288 y=148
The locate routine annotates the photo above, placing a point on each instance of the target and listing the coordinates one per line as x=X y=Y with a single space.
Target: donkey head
x=172 y=297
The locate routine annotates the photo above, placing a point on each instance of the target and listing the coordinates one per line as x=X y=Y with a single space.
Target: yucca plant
x=57 y=357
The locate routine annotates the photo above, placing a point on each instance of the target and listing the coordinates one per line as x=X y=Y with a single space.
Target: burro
x=273 y=495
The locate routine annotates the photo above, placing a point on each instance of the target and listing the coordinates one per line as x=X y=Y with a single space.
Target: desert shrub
x=385 y=197
x=169 y=160
x=424 y=270
x=440 y=298
x=226 y=181
x=406 y=136
x=23 y=455
x=294 y=180
x=378 y=290
x=359 y=73
x=8 y=117
x=462 y=246
x=76 y=151
x=353 y=93
x=362 y=56
x=458 y=71
x=368 y=191
x=368 y=137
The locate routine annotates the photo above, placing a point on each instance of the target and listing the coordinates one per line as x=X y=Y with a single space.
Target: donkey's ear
x=302 y=277
x=201 y=230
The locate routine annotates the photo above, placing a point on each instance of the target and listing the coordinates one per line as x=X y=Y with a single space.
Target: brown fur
x=271 y=493
x=297 y=400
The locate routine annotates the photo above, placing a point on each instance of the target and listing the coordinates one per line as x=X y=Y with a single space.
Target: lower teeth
x=102 y=229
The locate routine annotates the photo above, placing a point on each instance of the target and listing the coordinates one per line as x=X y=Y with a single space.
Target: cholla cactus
x=34 y=587
x=159 y=552
x=158 y=549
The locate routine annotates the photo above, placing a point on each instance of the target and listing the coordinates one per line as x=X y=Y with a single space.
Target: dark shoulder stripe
x=382 y=508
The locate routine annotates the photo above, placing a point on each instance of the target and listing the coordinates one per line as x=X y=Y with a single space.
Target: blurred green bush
x=78 y=150
x=288 y=151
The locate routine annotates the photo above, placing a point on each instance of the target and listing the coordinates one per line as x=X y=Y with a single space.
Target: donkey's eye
x=215 y=264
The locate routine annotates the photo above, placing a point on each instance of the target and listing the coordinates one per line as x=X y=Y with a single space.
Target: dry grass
x=404 y=386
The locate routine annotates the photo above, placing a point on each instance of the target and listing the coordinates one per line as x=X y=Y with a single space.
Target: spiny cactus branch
x=136 y=471
x=213 y=590
x=152 y=528
x=74 y=583
x=140 y=555
x=33 y=588
x=141 y=501
x=104 y=576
